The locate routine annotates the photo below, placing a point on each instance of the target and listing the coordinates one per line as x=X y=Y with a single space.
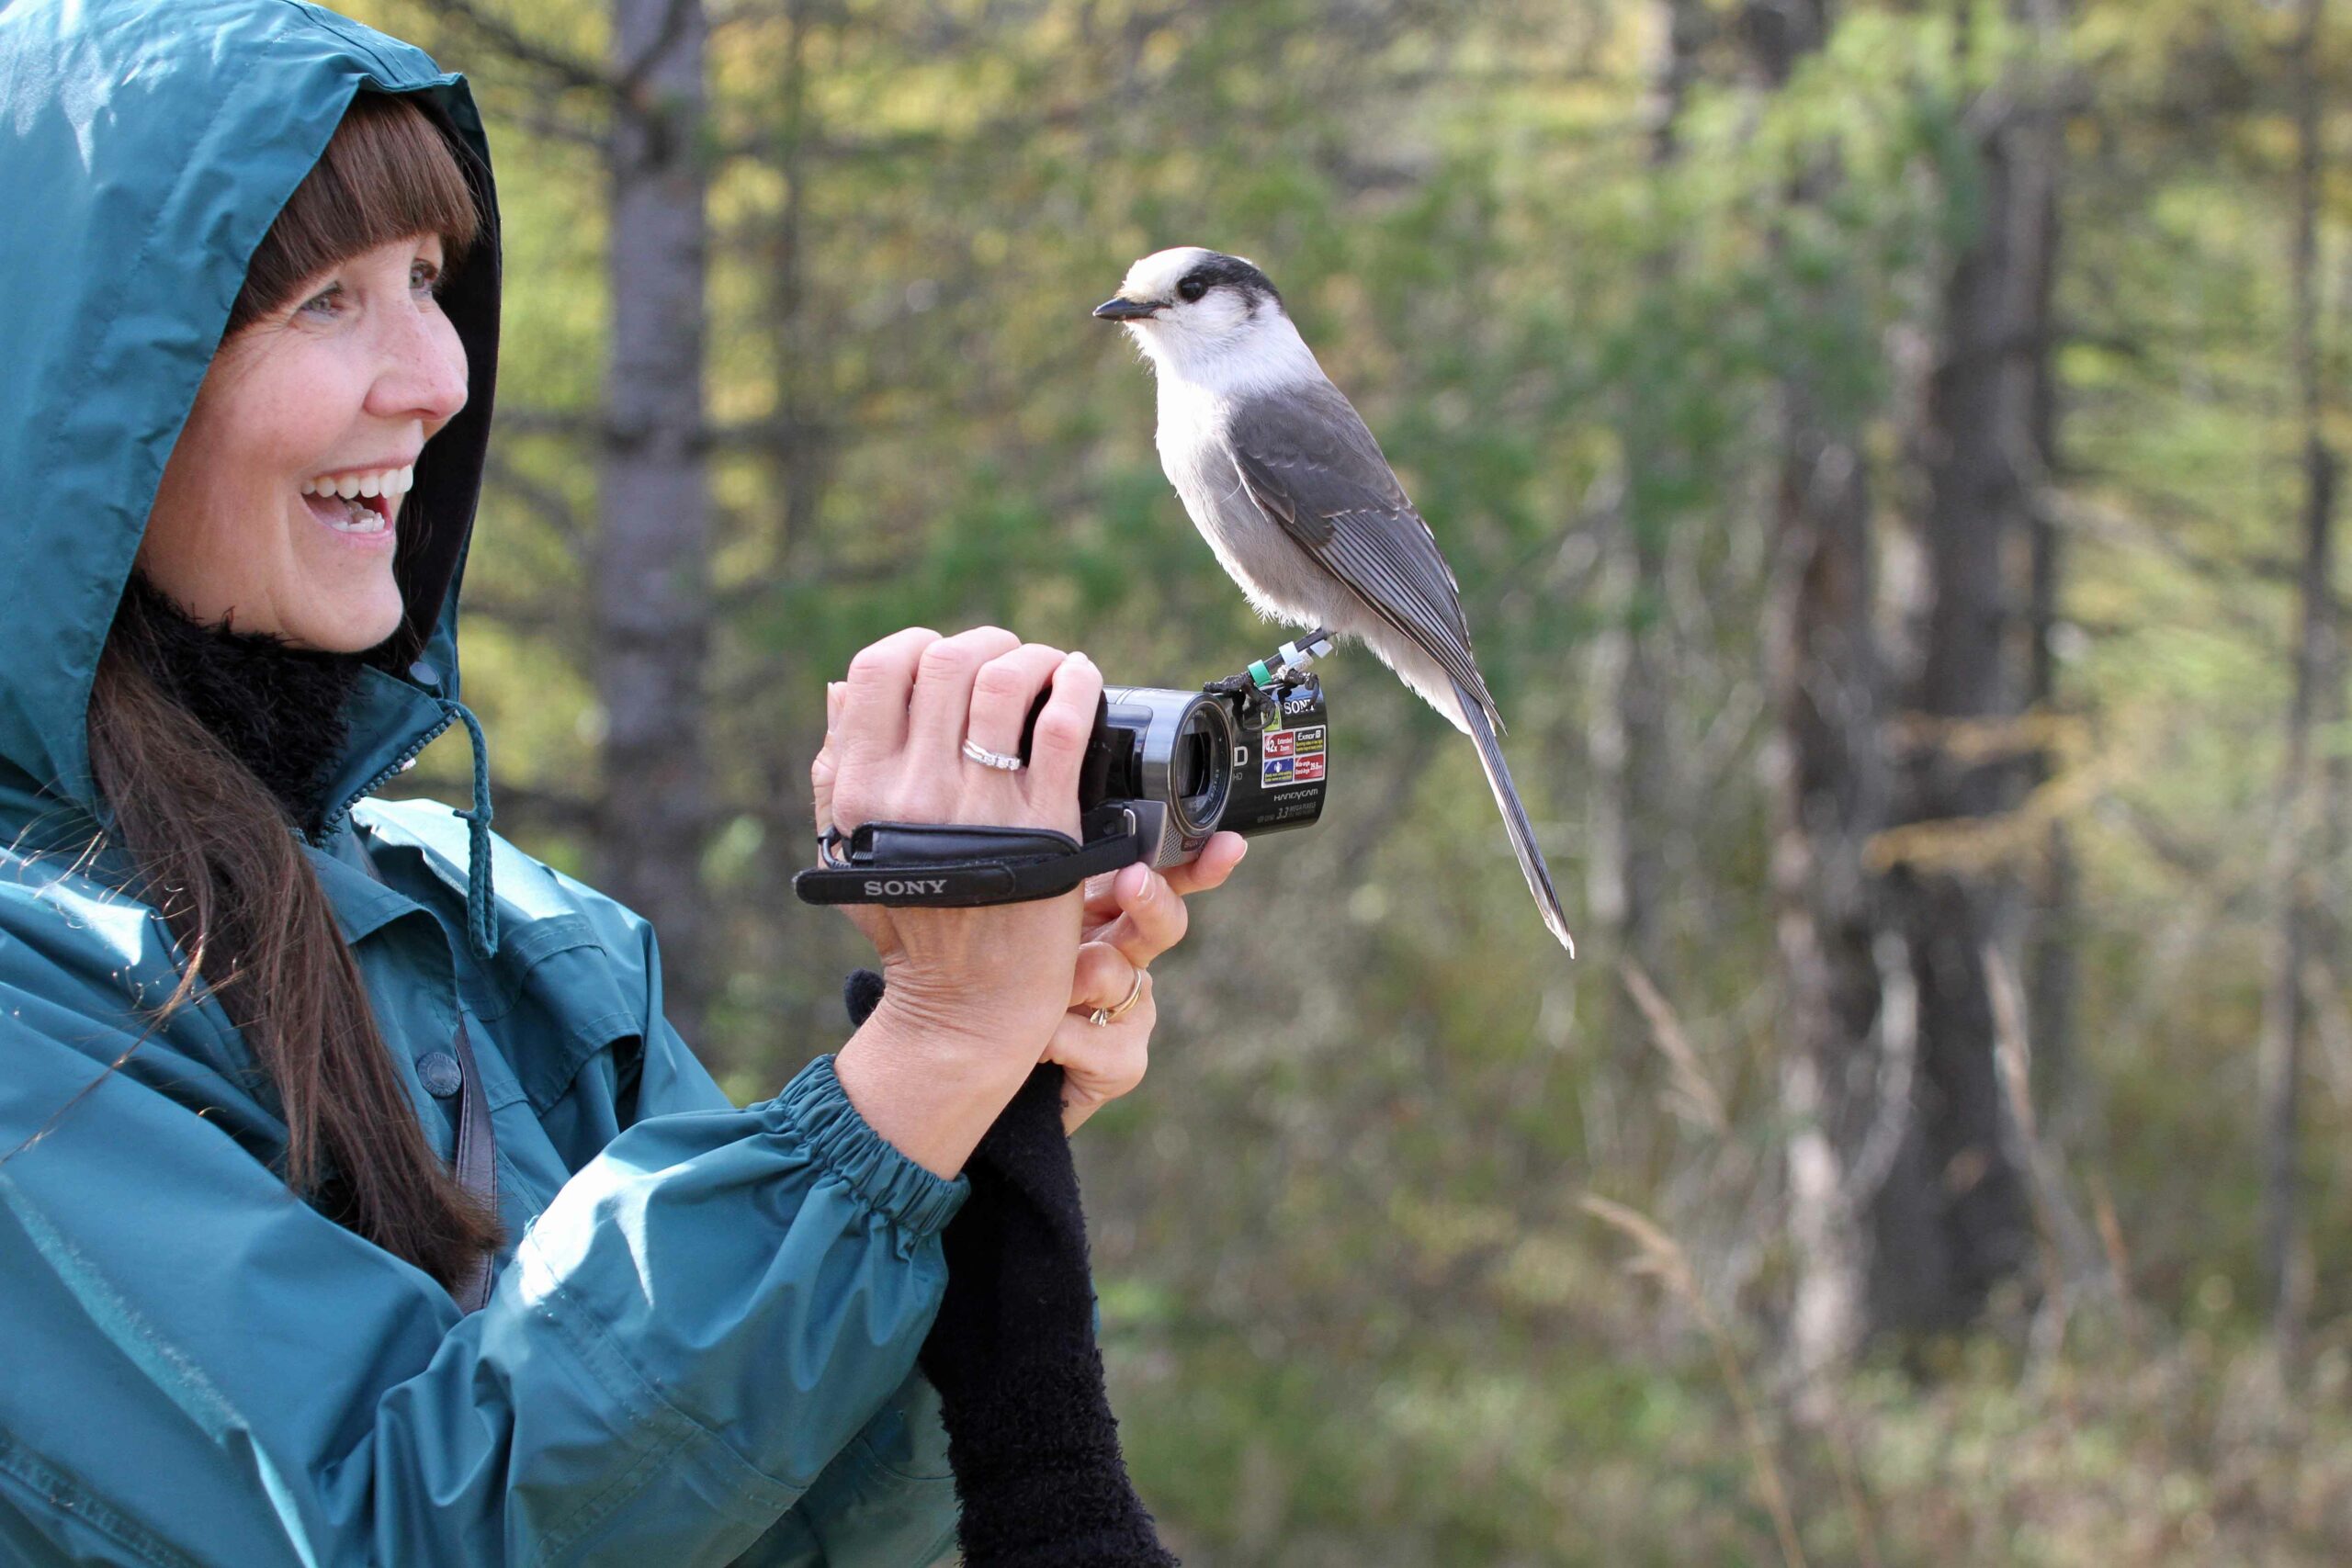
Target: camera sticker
x=1292 y=756
x=1307 y=753
x=1277 y=756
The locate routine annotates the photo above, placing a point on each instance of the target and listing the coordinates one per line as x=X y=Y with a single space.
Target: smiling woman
x=356 y=1206
x=218 y=708
x=279 y=509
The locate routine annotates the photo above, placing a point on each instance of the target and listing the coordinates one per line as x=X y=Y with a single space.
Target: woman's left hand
x=1132 y=916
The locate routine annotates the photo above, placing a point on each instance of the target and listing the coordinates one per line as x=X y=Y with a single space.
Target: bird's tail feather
x=1522 y=832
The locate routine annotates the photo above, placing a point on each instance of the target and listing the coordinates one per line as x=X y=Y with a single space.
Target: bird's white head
x=1203 y=315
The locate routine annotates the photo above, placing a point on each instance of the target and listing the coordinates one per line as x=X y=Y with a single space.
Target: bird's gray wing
x=1311 y=466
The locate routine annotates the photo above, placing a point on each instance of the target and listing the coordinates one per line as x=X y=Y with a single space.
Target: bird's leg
x=1258 y=697
x=1264 y=682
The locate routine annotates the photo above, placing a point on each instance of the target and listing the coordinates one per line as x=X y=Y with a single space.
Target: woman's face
x=341 y=388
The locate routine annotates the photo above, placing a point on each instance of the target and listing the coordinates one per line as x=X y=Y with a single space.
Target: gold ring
x=1111 y=1015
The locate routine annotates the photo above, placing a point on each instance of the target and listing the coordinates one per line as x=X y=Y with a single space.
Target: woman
x=252 y=1314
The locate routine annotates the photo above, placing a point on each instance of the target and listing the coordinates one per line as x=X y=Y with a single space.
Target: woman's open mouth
x=360 y=515
x=359 y=505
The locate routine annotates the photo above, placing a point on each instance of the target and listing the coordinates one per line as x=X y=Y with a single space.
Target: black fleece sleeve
x=1030 y=1433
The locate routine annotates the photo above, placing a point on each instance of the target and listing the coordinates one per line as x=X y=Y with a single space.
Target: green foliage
x=1354 y=1313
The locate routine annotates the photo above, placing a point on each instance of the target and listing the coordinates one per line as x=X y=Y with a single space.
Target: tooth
x=347 y=487
x=310 y=487
x=371 y=484
x=407 y=478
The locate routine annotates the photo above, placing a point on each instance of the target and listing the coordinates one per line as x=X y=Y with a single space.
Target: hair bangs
x=387 y=173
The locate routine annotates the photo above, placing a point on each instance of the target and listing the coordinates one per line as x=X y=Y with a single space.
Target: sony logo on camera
x=904 y=887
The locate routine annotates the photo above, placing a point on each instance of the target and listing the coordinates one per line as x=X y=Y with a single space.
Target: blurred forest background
x=1889 y=450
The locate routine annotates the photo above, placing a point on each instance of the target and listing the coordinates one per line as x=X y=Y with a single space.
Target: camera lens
x=1197 y=776
x=1177 y=748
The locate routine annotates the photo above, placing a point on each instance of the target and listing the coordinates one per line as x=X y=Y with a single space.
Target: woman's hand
x=972 y=996
x=1133 y=915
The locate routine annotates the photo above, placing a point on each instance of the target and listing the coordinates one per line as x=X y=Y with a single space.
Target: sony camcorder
x=1164 y=769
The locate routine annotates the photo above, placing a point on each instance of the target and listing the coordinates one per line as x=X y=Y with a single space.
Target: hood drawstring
x=482 y=904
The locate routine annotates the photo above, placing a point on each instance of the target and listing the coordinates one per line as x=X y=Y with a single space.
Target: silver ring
x=987 y=758
x=1111 y=1015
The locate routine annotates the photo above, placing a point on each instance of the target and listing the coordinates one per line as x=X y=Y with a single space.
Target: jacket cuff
x=815 y=1106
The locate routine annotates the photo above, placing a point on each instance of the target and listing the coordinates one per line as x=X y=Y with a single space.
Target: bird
x=1291 y=491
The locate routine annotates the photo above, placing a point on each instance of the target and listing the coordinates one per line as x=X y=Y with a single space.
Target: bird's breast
x=1280 y=578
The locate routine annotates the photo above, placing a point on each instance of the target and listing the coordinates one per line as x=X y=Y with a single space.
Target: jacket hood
x=156 y=144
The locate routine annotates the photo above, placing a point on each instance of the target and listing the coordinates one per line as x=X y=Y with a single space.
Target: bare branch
x=673 y=24
x=504 y=36
x=547 y=502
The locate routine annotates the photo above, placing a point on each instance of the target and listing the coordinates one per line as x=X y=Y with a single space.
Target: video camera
x=1163 y=770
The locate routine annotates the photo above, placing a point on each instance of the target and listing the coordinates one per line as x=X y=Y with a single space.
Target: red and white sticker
x=1292 y=756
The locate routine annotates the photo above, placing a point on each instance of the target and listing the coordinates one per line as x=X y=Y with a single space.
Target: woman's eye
x=424 y=275
x=330 y=296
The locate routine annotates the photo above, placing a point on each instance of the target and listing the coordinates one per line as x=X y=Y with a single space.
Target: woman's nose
x=424 y=375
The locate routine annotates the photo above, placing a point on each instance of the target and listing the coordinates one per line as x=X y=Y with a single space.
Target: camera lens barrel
x=1178 y=749
x=1217 y=760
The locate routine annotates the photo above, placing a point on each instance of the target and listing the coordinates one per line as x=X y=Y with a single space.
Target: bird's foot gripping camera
x=1163 y=770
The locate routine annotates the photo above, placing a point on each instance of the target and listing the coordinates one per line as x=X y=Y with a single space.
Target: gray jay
x=1293 y=493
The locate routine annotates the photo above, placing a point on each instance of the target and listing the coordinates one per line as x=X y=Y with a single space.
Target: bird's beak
x=1126 y=309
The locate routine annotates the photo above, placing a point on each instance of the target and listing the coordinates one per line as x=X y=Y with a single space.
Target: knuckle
x=1060 y=730
x=877 y=661
x=948 y=656
x=1003 y=678
x=1095 y=960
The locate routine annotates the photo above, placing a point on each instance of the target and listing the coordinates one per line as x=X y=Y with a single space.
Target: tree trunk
x=1846 y=1032
x=1843 y=1062
x=652 y=564
x=1953 y=1219
x=2053 y=930
x=2307 y=841
x=1626 y=735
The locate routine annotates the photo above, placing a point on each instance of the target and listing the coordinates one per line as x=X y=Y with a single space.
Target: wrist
x=929 y=1086
x=1007 y=1017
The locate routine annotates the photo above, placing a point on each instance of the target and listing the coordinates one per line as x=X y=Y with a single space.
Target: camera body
x=1163 y=770
x=1249 y=763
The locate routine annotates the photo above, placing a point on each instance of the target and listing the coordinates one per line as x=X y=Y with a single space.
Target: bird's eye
x=1190 y=290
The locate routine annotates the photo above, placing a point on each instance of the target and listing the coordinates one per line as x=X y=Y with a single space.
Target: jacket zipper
x=336 y=819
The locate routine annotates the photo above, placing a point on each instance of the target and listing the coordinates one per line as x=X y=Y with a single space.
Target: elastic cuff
x=815 y=1105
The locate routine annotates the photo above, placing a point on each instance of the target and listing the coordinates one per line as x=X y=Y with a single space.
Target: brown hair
x=214 y=850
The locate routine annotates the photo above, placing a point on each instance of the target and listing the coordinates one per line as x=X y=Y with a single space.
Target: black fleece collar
x=278 y=708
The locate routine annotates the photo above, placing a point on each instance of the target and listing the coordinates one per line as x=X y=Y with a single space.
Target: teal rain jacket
x=701 y=1343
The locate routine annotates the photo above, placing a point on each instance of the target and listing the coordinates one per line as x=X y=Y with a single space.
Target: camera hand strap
x=962 y=865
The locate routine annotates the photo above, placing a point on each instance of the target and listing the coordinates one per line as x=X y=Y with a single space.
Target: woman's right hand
x=971 y=996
